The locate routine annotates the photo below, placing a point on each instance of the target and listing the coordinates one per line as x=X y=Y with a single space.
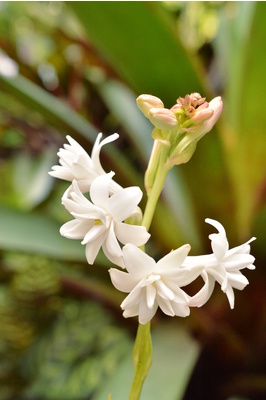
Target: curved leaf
x=138 y=40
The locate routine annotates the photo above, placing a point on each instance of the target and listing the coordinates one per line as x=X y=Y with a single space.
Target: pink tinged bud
x=146 y=101
x=216 y=105
x=162 y=118
x=202 y=115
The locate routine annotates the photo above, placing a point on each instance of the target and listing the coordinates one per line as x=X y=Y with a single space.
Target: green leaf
x=138 y=40
x=121 y=101
x=174 y=357
x=60 y=115
x=239 y=48
x=37 y=234
x=32 y=184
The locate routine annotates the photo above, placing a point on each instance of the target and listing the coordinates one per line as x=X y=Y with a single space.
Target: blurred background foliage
x=76 y=68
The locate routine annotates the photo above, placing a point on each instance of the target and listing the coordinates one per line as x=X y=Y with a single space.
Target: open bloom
x=152 y=284
x=223 y=266
x=75 y=163
x=99 y=222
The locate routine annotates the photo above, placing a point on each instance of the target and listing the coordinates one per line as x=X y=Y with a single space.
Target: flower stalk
x=142 y=359
x=142 y=352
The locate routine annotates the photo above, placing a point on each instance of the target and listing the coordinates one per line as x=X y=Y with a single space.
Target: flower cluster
x=99 y=222
x=190 y=114
x=101 y=209
x=151 y=285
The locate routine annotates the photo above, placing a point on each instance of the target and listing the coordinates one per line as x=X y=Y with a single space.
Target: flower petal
x=111 y=242
x=146 y=313
x=238 y=261
x=95 y=154
x=117 y=260
x=137 y=262
x=174 y=259
x=150 y=295
x=205 y=292
x=134 y=234
x=237 y=280
x=131 y=312
x=134 y=296
x=164 y=291
x=94 y=233
x=75 y=229
x=216 y=225
x=92 y=249
x=180 y=310
x=166 y=306
x=122 y=280
x=231 y=296
x=219 y=245
x=124 y=202
x=99 y=191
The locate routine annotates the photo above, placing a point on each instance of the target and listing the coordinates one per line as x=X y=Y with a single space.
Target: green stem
x=156 y=190
x=142 y=358
x=142 y=353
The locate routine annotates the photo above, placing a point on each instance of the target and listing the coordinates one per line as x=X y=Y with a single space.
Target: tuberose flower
x=99 y=222
x=75 y=163
x=151 y=285
x=223 y=266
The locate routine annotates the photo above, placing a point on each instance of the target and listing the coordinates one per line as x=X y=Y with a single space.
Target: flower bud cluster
x=187 y=115
x=183 y=125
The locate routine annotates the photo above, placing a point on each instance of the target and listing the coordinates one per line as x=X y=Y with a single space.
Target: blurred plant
x=76 y=65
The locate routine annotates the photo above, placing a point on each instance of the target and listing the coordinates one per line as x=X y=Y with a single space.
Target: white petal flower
x=223 y=266
x=99 y=222
x=151 y=285
x=75 y=163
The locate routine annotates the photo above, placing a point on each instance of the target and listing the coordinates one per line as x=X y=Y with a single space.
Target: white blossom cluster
x=99 y=221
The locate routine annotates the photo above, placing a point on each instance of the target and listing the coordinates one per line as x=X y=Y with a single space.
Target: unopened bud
x=162 y=118
x=201 y=116
x=216 y=106
x=146 y=101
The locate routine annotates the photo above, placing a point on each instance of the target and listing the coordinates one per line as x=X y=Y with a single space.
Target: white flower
x=99 y=221
x=223 y=266
x=152 y=284
x=75 y=163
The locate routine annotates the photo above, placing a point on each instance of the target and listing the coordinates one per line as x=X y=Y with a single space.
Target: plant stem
x=156 y=190
x=142 y=353
x=142 y=358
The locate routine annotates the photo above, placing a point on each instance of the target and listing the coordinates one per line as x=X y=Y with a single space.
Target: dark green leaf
x=138 y=39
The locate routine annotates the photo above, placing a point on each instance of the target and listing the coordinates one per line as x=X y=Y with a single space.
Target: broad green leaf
x=37 y=234
x=138 y=40
x=174 y=357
